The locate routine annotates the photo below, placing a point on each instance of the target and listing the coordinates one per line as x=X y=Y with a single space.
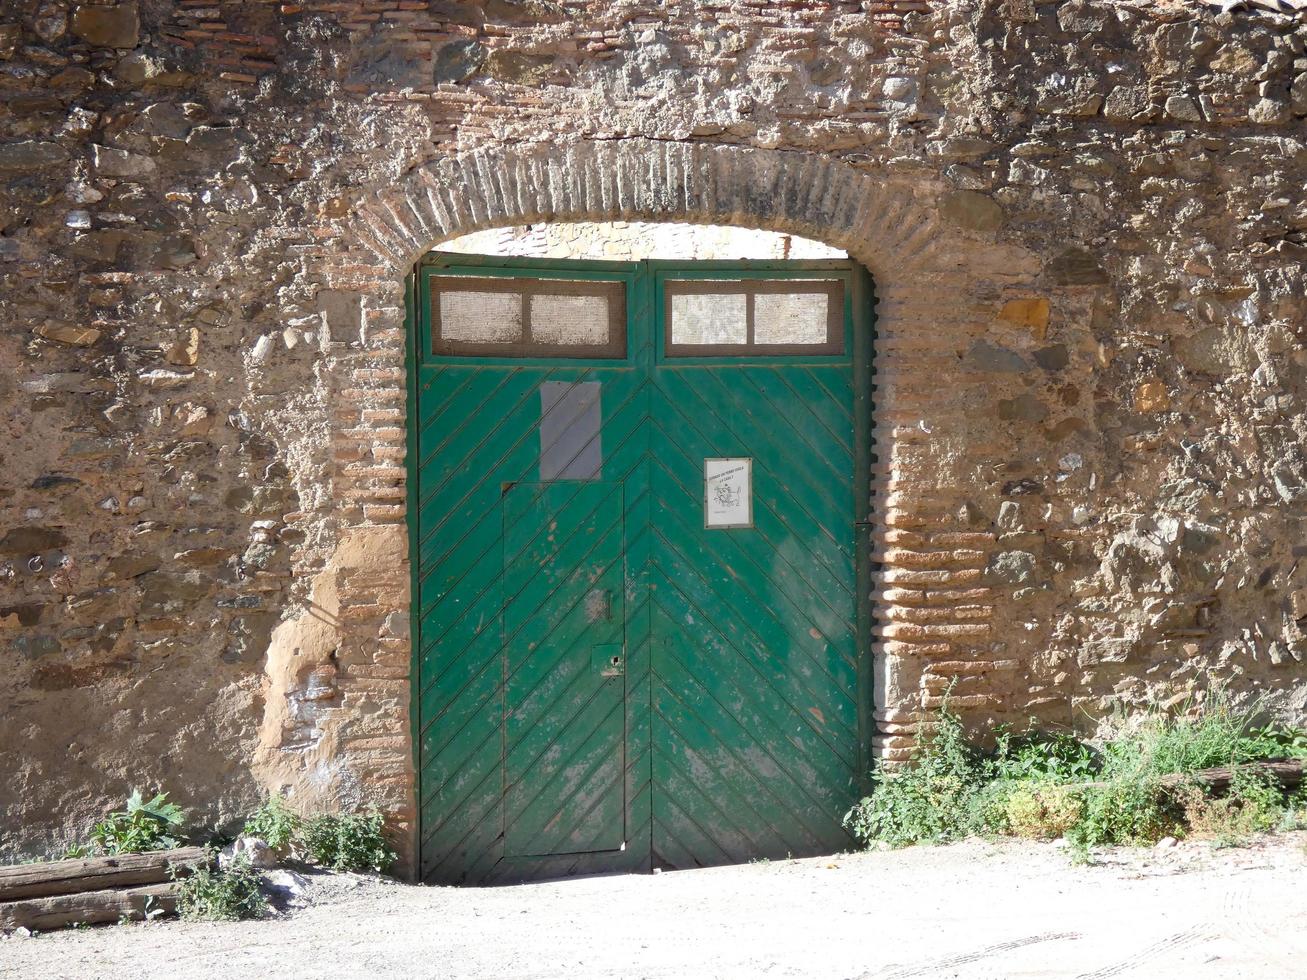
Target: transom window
x=528 y=309
x=707 y=317
x=502 y=317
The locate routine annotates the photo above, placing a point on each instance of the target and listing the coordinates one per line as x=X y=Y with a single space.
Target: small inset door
x=564 y=705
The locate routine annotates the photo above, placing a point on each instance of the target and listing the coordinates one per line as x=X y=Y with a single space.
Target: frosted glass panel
x=790 y=318
x=569 y=320
x=571 y=445
x=709 y=318
x=481 y=318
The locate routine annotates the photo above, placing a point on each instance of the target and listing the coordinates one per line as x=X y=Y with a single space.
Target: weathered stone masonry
x=1085 y=222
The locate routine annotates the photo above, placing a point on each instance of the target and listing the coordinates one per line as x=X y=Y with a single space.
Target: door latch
x=608 y=659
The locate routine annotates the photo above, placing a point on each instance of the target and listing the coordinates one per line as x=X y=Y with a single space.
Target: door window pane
x=790 y=318
x=569 y=320
x=709 y=318
x=570 y=441
x=481 y=318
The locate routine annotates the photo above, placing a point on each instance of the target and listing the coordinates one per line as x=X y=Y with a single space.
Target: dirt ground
x=970 y=910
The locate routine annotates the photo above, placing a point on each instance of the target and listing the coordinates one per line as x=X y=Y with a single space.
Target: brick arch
x=884 y=227
x=927 y=294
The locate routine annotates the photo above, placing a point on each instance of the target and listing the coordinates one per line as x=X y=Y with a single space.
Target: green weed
x=1276 y=741
x=1042 y=756
x=931 y=798
x=207 y=894
x=1254 y=804
x=144 y=825
x=347 y=842
x=1124 y=812
x=1120 y=791
x=1042 y=812
x=274 y=823
x=1203 y=734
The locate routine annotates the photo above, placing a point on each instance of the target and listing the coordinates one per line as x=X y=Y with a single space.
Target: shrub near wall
x=1154 y=775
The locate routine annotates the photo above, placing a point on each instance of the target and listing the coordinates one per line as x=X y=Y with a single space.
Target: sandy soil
x=971 y=910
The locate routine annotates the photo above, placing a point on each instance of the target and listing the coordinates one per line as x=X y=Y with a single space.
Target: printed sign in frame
x=728 y=492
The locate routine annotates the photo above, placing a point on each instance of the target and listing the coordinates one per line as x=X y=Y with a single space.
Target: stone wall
x=1086 y=225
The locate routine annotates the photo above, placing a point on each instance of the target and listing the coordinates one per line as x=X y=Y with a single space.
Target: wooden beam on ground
x=1289 y=772
x=89 y=908
x=44 y=878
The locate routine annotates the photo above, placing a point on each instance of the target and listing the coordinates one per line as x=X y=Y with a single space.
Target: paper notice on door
x=728 y=492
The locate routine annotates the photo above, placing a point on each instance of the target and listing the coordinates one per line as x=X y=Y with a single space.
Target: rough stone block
x=117 y=26
x=112 y=162
x=29 y=156
x=1031 y=313
x=972 y=210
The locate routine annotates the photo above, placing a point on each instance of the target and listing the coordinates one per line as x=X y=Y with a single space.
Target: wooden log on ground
x=44 y=878
x=1289 y=772
x=1218 y=779
x=90 y=908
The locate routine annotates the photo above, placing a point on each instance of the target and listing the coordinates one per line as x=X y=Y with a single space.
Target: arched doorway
x=930 y=294
x=638 y=524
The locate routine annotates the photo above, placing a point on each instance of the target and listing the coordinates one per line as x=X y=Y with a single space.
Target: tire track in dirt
x=1170 y=944
x=932 y=967
x=1248 y=923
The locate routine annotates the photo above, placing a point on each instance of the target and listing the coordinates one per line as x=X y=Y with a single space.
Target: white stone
x=161 y=378
x=899 y=89
x=253 y=849
x=287 y=886
x=262 y=348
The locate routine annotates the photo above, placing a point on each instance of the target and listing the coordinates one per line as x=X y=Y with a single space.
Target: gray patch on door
x=570 y=417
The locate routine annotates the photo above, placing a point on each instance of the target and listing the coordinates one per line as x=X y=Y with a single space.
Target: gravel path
x=971 y=910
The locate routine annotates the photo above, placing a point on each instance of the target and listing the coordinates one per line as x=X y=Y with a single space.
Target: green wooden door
x=564 y=715
x=635 y=522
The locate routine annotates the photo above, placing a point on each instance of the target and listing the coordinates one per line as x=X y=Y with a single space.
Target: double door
x=639 y=509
